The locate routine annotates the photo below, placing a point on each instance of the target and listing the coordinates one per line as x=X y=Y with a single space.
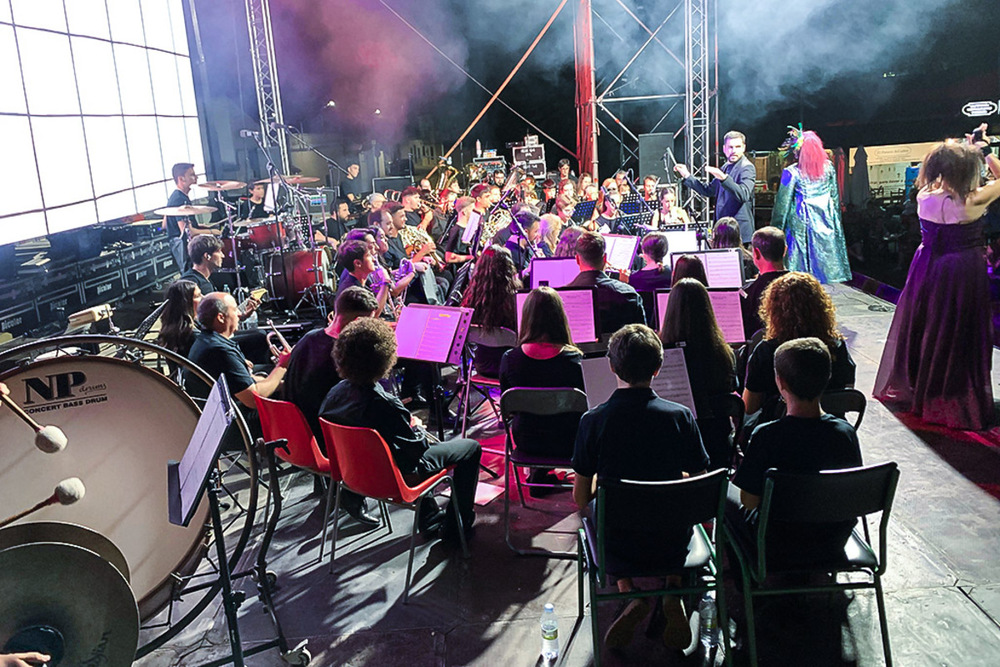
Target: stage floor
x=942 y=583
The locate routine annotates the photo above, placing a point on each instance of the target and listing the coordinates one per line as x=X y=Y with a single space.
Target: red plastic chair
x=281 y=420
x=368 y=468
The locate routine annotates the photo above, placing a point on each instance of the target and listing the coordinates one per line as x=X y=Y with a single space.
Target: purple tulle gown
x=937 y=357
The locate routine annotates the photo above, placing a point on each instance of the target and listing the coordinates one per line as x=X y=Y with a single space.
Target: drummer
x=253 y=208
x=182 y=228
x=335 y=227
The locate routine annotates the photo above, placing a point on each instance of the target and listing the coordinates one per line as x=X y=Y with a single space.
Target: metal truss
x=697 y=91
x=265 y=75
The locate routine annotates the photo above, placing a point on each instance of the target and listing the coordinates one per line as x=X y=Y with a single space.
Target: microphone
x=66 y=492
x=49 y=439
x=247 y=133
x=281 y=126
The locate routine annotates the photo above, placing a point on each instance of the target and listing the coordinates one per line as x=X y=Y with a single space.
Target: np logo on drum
x=53 y=387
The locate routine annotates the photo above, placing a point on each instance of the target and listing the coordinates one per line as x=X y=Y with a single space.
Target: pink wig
x=812 y=156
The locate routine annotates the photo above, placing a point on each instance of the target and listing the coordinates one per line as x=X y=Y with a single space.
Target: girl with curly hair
x=793 y=306
x=491 y=296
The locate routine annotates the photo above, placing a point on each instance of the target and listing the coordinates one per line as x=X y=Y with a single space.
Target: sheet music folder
x=727 y=306
x=723 y=266
x=580 y=304
x=672 y=383
x=432 y=333
x=186 y=479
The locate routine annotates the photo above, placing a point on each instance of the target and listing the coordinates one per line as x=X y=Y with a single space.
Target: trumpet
x=271 y=335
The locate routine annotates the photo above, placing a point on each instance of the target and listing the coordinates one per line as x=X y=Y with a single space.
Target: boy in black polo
x=637 y=435
x=806 y=440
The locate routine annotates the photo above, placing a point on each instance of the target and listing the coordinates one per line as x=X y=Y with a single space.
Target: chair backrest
x=496 y=337
x=541 y=401
x=828 y=496
x=645 y=504
x=283 y=420
x=839 y=402
x=366 y=463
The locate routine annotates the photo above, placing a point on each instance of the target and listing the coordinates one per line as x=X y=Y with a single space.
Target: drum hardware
x=181 y=211
x=122 y=500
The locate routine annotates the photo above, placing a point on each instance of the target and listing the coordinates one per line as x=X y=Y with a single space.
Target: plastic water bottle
x=709 y=632
x=550 y=633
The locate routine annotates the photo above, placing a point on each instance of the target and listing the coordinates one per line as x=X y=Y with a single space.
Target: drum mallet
x=67 y=492
x=49 y=439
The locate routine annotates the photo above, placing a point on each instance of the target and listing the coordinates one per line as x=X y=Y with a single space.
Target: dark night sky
x=822 y=62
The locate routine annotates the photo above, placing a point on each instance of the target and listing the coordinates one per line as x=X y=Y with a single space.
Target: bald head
x=218 y=312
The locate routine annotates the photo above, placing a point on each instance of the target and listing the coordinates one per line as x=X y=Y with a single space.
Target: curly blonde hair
x=796 y=306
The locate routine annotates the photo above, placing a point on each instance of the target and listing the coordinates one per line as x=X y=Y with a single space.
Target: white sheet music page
x=724 y=269
x=728 y=313
x=579 y=305
x=620 y=250
x=673 y=383
x=599 y=381
x=557 y=272
x=681 y=242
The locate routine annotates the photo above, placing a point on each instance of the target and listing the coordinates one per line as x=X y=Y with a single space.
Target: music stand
x=187 y=482
x=580 y=304
x=583 y=211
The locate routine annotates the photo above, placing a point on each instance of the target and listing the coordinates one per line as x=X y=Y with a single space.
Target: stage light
x=331 y=104
x=378 y=112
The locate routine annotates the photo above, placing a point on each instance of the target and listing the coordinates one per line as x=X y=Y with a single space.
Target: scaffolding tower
x=265 y=75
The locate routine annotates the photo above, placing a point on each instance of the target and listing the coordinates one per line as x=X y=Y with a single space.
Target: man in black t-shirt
x=769 y=257
x=806 y=440
x=351 y=187
x=637 y=435
x=253 y=208
x=182 y=228
x=618 y=304
x=312 y=373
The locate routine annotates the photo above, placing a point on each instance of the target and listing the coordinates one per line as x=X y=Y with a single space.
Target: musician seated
x=215 y=351
x=253 y=208
x=417 y=214
x=456 y=251
x=404 y=242
x=358 y=261
x=523 y=236
x=618 y=304
x=336 y=227
x=491 y=295
x=312 y=373
x=364 y=353
x=655 y=274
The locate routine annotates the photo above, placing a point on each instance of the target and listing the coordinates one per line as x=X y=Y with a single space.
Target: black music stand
x=583 y=211
x=188 y=480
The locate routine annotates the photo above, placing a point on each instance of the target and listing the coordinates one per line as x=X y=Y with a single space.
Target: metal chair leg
x=751 y=624
x=336 y=525
x=326 y=517
x=458 y=519
x=409 y=562
x=883 y=621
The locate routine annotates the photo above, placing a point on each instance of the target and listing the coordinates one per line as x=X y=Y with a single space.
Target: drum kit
x=278 y=252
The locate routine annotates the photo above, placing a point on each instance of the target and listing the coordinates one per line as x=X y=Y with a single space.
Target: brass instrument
x=414 y=239
x=274 y=333
x=392 y=195
x=445 y=178
x=501 y=218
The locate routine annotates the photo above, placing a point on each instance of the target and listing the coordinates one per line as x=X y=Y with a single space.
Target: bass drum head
x=293 y=273
x=123 y=423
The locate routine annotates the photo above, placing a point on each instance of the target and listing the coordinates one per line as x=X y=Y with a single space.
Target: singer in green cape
x=807 y=209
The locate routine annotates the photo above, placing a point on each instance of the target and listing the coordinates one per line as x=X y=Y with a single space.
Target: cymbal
x=291 y=180
x=251 y=222
x=220 y=186
x=66 y=533
x=82 y=598
x=184 y=210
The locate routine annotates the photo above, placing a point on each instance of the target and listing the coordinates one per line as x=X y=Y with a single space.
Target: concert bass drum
x=291 y=274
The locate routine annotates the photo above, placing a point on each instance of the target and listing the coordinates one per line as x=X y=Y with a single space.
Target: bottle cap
x=549 y=607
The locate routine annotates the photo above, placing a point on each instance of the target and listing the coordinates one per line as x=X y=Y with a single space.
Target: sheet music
x=558 y=271
x=684 y=242
x=579 y=306
x=620 y=250
x=723 y=268
x=662 y=298
x=728 y=313
x=426 y=333
x=469 y=235
x=673 y=383
x=599 y=381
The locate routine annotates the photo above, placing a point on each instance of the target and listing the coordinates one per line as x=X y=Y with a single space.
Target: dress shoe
x=358 y=510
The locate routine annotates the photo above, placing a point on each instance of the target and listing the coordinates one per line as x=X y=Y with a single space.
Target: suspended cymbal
x=251 y=222
x=66 y=533
x=184 y=210
x=291 y=180
x=72 y=600
x=220 y=186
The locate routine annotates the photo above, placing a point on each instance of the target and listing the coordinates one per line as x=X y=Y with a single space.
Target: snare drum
x=266 y=234
x=123 y=422
x=291 y=274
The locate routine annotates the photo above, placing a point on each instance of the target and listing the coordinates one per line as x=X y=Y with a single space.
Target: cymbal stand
x=230 y=208
x=313 y=295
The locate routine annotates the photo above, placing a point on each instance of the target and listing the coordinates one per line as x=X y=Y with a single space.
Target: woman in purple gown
x=937 y=357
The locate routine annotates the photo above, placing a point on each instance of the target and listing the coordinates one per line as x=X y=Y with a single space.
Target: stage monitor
x=727 y=305
x=723 y=267
x=96 y=104
x=581 y=310
x=553 y=271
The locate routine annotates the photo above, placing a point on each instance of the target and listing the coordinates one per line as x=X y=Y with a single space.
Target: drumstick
x=49 y=439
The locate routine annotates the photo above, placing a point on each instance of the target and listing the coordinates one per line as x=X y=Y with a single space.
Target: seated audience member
x=609 y=446
x=177 y=327
x=711 y=365
x=618 y=304
x=794 y=306
x=768 y=245
x=689 y=266
x=567 y=242
x=544 y=357
x=364 y=353
x=491 y=295
x=805 y=440
x=655 y=274
x=312 y=373
x=726 y=234
x=215 y=351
